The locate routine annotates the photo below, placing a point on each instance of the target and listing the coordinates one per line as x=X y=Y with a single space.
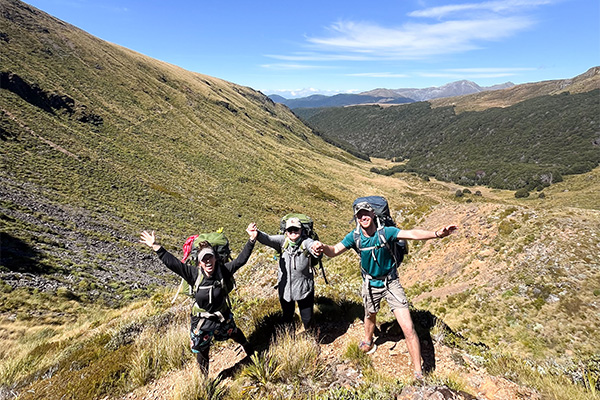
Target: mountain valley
x=99 y=142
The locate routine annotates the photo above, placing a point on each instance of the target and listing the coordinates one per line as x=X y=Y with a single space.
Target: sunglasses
x=293 y=230
x=207 y=258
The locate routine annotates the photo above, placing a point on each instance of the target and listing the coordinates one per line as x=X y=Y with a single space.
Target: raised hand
x=148 y=238
x=252 y=231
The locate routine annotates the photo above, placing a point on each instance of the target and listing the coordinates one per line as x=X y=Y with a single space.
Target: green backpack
x=220 y=243
x=307 y=231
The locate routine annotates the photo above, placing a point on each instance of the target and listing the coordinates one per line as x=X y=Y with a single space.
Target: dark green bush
x=521 y=193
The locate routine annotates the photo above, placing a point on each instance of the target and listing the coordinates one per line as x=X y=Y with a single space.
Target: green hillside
x=529 y=145
x=109 y=130
x=98 y=142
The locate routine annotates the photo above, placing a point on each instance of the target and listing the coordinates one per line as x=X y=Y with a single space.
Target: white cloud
x=282 y=66
x=466 y=31
x=414 y=41
x=295 y=93
x=506 y=6
x=379 y=75
x=312 y=56
x=491 y=70
x=474 y=73
x=464 y=76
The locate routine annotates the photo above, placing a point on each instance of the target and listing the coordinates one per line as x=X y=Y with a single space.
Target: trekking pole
x=323 y=272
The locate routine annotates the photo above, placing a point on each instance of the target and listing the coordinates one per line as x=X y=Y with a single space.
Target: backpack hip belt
x=393 y=274
x=197 y=311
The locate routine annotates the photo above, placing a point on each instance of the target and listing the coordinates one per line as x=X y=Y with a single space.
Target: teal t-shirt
x=383 y=262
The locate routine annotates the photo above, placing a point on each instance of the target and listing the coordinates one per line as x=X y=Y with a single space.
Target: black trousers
x=305 y=306
x=238 y=337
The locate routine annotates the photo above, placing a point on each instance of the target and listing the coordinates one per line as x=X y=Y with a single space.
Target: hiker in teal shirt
x=380 y=276
x=383 y=262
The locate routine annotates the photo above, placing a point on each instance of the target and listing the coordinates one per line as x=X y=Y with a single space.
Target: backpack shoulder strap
x=380 y=234
x=382 y=240
x=198 y=281
x=388 y=245
x=224 y=279
x=356 y=237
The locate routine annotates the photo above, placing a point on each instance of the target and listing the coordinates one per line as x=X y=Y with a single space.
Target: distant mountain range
x=388 y=96
x=339 y=100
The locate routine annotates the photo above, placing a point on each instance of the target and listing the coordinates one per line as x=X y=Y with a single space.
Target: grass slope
x=99 y=142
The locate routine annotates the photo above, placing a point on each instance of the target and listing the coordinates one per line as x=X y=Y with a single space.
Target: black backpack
x=380 y=206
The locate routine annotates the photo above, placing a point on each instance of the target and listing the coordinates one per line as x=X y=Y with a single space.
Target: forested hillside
x=529 y=145
x=585 y=82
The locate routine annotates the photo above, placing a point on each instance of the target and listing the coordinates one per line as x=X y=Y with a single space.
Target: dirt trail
x=391 y=359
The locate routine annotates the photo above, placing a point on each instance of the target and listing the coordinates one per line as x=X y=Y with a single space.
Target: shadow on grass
x=330 y=323
x=18 y=256
x=335 y=317
x=265 y=329
x=333 y=321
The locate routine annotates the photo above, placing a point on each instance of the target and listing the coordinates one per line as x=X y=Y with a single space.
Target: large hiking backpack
x=217 y=240
x=307 y=231
x=220 y=243
x=383 y=218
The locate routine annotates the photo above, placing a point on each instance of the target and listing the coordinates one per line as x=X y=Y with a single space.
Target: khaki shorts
x=393 y=293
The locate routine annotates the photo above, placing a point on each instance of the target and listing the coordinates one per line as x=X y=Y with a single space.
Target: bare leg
x=370 y=321
x=412 y=340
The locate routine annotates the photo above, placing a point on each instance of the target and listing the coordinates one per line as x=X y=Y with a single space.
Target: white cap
x=205 y=251
x=293 y=223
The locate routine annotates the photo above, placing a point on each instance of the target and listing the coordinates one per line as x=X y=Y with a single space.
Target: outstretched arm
x=421 y=234
x=275 y=241
x=244 y=255
x=185 y=271
x=149 y=239
x=329 y=251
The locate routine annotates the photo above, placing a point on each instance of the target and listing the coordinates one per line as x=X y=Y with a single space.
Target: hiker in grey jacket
x=295 y=278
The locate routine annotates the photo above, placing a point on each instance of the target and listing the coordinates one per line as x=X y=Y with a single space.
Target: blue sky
x=305 y=47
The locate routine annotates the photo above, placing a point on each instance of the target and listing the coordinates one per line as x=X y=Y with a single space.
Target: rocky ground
x=74 y=249
x=94 y=253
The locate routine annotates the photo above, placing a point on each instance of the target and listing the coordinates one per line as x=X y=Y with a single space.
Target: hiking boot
x=418 y=376
x=367 y=347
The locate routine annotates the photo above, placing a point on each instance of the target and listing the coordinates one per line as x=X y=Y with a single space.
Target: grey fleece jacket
x=295 y=279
